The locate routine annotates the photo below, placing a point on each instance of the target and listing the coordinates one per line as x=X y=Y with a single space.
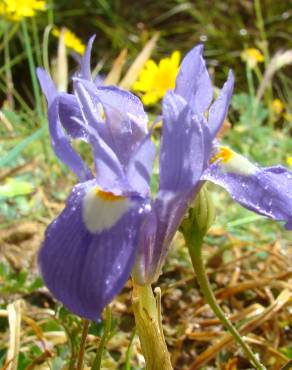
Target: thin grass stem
x=31 y=63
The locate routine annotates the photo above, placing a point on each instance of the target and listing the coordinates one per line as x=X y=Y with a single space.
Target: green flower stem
x=31 y=63
x=148 y=323
x=82 y=345
x=107 y=329
x=194 y=243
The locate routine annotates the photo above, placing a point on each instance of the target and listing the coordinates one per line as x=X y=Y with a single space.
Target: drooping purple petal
x=266 y=191
x=193 y=81
x=218 y=110
x=84 y=260
x=62 y=146
x=59 y=140
x=85 y=70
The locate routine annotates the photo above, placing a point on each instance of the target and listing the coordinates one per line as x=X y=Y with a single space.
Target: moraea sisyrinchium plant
x=111 y=227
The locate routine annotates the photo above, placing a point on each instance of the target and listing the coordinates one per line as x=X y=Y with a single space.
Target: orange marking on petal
x=108 y=196
x=225 y=154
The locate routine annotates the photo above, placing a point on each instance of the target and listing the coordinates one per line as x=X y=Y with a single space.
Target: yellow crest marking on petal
x=225 y=155
x=101 y=210
x=233 y=162
x=108 y=196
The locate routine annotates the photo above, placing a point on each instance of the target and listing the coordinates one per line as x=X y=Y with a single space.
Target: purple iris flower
x=90 y=248
x=110 y=226
x=190 y=154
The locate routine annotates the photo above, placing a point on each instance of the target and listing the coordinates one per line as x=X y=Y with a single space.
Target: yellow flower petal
x=155 y=79
x=71 y=40
x=289 y=161
x=277 y=107
x=16 y=9
x=252 y=57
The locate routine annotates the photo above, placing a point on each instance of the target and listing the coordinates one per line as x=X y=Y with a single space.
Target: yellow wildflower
x=277 y=107
x=252 y=57
x=289 y=161
x=71 y=40
x=155 y=79
x=17 y=9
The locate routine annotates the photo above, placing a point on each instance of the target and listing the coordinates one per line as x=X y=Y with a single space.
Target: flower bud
x=201 y=213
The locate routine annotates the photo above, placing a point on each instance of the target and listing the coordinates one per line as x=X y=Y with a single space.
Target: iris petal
x=219 y=108
x=182 y=161
x=140 y=166
x=109 y=172
x=85 y=70
x=47 y=85
x=126 y=120
x=71 y=117
x=266 y=191
x=85 y=269
x=60 y=142
x=193 y=81
x=182 y=154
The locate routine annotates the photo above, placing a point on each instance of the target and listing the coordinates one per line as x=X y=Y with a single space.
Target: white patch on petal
x=101 y=212
x=239 y=165
x=232 y=162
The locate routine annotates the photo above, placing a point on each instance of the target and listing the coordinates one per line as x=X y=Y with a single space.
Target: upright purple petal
x=85 y=260
x=219 y=108
x=125 y=123
x=140 y=166
x=193 y=81
x=182 y=161
x=124 y=101
x=266 y=191
x=182 y=152
x=71 y=117
x=85 y=69
x=109 y=172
